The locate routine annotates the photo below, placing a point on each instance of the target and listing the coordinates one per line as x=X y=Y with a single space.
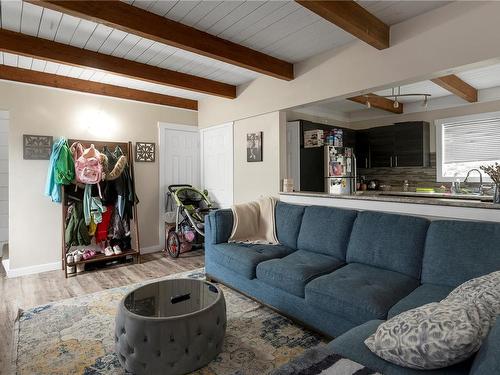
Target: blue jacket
x=52 y=189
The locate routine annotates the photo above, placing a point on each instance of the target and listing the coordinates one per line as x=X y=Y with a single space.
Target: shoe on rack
x=117 y=250
x=89 y=254
x=80 y=268
x=77 y=255
x=70 y=269
x=108 y=251
x=70 y=258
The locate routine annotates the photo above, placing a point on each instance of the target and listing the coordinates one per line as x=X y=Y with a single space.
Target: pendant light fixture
x=396 y=96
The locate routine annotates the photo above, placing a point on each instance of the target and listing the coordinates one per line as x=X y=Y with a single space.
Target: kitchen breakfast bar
x=428 y=206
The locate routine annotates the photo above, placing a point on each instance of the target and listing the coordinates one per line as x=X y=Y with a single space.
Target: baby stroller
x=191 y=207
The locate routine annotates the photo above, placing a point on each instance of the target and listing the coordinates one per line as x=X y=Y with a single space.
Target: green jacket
x=64 y=168
x=77 y=233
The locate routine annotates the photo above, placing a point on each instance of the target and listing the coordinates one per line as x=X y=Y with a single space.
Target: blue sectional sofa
x=342 y=272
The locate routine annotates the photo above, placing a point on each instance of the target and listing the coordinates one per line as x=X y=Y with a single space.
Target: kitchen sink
x=475 y=197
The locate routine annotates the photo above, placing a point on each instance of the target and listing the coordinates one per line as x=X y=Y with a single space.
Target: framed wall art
x=254 y=147
x=145 y=152
x=37 y=147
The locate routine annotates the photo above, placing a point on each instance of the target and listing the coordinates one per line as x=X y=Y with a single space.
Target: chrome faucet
x=481 y=186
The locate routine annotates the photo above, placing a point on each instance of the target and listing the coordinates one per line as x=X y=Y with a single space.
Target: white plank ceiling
x=282 y=29
x=93 y=75
x=393 y=12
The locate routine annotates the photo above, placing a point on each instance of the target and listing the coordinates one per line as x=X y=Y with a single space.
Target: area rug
x=75 y=336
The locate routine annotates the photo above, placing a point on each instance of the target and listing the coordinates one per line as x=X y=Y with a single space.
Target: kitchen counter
x=431 y=207
x=400 y=197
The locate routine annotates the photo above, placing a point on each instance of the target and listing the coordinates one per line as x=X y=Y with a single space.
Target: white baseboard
x=151 y=249
x=55 y=265
x=29 y=270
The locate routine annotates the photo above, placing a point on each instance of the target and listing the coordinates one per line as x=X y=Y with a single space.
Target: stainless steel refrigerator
x=340 y=170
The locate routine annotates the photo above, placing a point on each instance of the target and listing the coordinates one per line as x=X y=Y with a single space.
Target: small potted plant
x=494 y=172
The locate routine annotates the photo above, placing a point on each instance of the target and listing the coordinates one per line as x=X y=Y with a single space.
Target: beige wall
x=432 y=44
x=252 y=180
x=35 y=222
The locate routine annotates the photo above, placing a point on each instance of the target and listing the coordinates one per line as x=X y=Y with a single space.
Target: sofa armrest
x=218 y=226
x=487 y=360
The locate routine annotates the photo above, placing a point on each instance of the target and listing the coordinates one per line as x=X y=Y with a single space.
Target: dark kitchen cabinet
x=411 y=144
x=381 y=146
x=403 y=144
x=362 y=149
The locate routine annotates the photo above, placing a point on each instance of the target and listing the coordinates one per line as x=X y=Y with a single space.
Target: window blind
x=471 y=141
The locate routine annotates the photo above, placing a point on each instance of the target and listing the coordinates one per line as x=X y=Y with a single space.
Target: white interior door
x=179 y=162
x=217 y=163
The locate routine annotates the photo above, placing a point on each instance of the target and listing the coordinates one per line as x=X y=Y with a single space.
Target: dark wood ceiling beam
x=457 y=86
x=30 y=46
x=353 y=18
x=52 y=80
x=378 y=102
x=148 y=25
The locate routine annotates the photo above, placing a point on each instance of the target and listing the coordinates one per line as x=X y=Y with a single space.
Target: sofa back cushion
x=288 y=220
x=457 y=251
x=388 y=241
x=326 y=230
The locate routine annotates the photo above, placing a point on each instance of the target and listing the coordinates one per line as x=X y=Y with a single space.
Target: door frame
x=162 y=127
x=229 y=125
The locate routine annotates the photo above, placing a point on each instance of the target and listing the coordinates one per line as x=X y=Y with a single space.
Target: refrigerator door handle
x=390 y=159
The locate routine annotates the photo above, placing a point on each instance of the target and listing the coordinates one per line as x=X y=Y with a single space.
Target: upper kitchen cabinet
x=404 y=144
x=362 y=149
x=382 y=141
x=411 y=144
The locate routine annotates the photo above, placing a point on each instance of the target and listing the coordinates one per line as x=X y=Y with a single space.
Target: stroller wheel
x=173 y=244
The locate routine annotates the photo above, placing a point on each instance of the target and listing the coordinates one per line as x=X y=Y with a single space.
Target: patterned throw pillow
x=441 y=334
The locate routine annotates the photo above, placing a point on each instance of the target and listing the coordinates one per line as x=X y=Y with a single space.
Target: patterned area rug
x=75 y=336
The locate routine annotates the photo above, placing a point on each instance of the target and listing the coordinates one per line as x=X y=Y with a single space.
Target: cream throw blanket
x=254 y=222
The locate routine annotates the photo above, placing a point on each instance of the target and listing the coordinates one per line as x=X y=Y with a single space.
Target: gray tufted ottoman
x=170 y=327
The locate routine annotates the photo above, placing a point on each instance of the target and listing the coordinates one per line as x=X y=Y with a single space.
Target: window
x=467 y=142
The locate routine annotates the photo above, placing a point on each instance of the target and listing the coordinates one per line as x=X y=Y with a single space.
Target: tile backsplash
x=416 y=176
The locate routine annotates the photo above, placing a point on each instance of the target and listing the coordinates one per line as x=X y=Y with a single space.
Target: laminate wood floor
x=28 y=291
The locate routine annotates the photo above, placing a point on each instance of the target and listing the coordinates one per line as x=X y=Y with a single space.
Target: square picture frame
x=145 y=152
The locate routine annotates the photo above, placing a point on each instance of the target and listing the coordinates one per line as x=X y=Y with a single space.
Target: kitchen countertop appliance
x=340 y=170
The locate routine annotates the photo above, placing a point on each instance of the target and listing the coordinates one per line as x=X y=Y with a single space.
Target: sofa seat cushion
x=423 y=295
x=359 y=292
x=244 y=258
x=351 y=345
x=294 y=271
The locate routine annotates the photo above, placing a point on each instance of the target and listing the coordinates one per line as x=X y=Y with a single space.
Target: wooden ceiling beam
x=61 y=82
x=378 y=102
x=353 y=18
x=148 y=25
x=457 y=86
x=30 y=46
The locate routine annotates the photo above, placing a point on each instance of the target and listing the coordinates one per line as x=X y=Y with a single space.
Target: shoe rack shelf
x=135 y=252
x=102 y=257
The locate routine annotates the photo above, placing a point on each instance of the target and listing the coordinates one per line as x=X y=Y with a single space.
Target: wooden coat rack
x=135 y=252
